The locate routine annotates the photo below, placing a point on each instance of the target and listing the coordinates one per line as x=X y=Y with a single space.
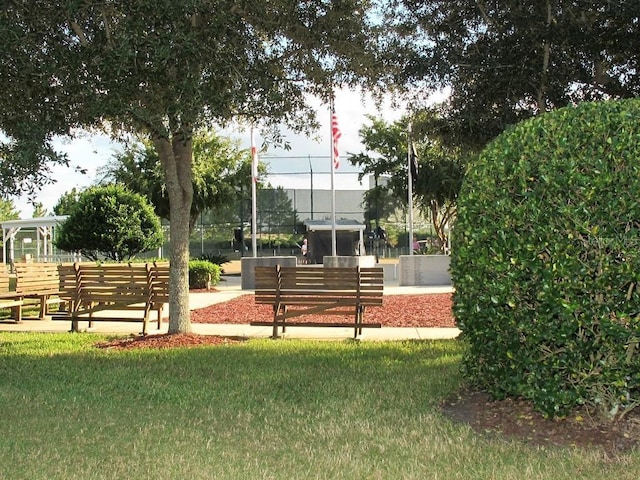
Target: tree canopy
x=112 y=222
x=164 y=69
x=39 y=210
x=439 y=175
x=219 y=167
x=66 y=202
x=275 y=210
x=507 y=61
x=8 y=210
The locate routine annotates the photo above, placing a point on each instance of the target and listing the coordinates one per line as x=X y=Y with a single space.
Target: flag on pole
x=335 y=136
x=413 y=163
x=254 y=158
x=254 y=164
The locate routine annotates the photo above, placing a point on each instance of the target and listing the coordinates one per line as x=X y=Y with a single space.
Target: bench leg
x=160 y=316
x=359 y=320
x=284 y=317
x=145 y=320
x=16 y=313
x=43 y=308
x=276 y=311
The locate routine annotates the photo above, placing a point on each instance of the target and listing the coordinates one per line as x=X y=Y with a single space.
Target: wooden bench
x=38 y=281
x=109 y=292
x=159 y=277
x=66 y=287
x=8 y=297
x=305 y=290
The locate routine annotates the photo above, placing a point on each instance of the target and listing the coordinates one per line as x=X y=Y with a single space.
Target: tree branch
x=78 y=31
x=483 y=12
x=546 y=52
x=107 y=30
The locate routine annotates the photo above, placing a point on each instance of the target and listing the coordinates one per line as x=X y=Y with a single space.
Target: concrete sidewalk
x=229 y=288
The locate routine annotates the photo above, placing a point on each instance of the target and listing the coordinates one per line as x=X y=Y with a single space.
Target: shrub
x=546 y=258
x=202 y=274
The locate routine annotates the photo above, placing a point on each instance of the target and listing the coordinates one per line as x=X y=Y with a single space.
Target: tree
x=507 y=61
x=440 y=175
x=66 y=202
x=218 y=166
x=275 y=210
x=39 y=210
x=440 y=168
x=8 y=210
x=164 y=70
x=110 y=222
x=379 y=202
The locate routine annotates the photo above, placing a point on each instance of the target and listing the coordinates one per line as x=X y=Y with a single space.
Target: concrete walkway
x=229 y=288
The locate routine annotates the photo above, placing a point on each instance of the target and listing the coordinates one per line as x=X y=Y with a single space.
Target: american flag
x=254 y=163
x=413 y=156
x=335 y=136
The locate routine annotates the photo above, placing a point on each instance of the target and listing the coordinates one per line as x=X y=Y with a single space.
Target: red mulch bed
x=166 y=340
x=428 y=310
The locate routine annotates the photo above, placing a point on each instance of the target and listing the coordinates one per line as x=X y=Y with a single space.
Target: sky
x=92 y=151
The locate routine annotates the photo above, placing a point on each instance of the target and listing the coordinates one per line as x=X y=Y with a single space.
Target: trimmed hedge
x=203 y=274
x=546 y=261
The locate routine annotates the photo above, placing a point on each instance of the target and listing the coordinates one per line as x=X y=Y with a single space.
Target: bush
x=203 y=274
x=546 y=258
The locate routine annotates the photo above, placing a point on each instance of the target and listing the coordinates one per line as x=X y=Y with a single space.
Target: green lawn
x=258 y=410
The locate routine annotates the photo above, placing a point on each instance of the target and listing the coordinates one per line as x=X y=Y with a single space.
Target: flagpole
x=410 y=189
x=254 y=195
x=333 y=169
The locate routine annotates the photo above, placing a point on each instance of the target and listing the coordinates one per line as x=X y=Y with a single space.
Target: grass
x=259 y=410
x=31 y=309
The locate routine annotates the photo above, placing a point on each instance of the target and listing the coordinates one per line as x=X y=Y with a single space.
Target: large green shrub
x=110 y=222
x=546 y=260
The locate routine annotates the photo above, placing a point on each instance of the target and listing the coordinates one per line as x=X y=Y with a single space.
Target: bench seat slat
x=292 y=300
x=320 y=293
x=314 y=324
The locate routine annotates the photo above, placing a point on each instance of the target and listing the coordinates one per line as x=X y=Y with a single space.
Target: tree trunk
x=440 y=218
x=546 y=54
x=176 y=157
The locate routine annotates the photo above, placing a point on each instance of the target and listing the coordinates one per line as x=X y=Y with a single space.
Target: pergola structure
x=44 y=230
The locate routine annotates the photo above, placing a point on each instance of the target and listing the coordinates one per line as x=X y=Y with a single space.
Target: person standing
x=416 y=245
x=304 y=249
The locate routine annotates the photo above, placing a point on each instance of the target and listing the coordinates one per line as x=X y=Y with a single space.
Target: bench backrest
x=5 y=280
x=366 y=284
x=67 y=281
x=159 y=278
x=113 y=282
x=37 y=278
